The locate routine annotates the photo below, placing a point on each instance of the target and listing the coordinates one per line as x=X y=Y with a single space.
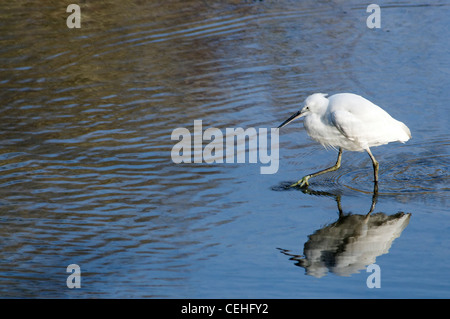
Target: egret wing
x=348 y=124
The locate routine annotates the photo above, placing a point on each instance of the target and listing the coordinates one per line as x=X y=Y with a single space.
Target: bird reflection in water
x=351 y=243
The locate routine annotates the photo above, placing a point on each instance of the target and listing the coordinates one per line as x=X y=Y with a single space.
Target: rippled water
x=86 y=173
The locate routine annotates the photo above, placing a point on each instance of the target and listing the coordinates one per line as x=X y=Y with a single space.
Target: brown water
x=86 y=174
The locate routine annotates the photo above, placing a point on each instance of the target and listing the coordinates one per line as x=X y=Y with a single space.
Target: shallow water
x=87 y=178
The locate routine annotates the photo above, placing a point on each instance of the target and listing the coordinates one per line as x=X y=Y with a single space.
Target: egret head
x=314 y=103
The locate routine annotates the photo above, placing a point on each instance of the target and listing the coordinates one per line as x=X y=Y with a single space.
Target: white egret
x=348 y=122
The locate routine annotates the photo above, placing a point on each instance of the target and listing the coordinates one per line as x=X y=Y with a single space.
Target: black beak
x=289 y=120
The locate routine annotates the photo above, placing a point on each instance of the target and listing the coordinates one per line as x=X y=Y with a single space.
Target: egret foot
x=303 y=182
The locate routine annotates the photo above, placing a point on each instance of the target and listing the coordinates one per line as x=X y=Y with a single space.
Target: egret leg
x=375 y=166
x=305 y=179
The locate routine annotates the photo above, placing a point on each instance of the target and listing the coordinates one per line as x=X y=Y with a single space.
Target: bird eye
x=307 y=108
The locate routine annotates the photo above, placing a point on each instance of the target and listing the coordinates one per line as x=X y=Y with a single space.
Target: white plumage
x=348 y=121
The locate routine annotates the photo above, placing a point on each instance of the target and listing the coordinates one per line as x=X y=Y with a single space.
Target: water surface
x=86 y=174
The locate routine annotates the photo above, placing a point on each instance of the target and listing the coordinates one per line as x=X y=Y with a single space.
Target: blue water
x=87 y=178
